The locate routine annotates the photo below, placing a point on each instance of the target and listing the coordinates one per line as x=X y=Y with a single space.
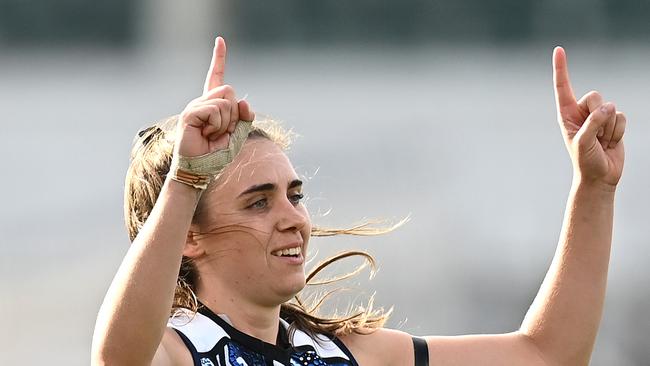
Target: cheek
x=237 y=243
x=234 y=221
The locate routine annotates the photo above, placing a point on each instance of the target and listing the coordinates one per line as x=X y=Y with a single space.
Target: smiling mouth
x=288 y=252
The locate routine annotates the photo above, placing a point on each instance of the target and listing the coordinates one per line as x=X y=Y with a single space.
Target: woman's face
x=257 y=227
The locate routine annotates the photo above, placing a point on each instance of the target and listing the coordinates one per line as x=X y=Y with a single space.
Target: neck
x=256 y=320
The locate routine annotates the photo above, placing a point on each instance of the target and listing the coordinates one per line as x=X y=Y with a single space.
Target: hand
x=207 y=121
x=592 y=129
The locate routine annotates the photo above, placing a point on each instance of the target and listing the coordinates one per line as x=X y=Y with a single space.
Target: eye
x=296 y=198
x=259 y=204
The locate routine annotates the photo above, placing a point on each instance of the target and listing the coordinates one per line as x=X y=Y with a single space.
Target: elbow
x=549 y=355
x=111 y=348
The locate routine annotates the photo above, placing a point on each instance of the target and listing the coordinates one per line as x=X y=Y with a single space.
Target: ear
x=193 y=249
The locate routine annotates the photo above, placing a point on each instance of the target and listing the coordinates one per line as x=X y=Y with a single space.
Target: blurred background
x=442 y=110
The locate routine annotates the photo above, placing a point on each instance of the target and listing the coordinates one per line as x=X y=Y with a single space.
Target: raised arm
x=560 y=327
x=564 y=318
x=133 y=316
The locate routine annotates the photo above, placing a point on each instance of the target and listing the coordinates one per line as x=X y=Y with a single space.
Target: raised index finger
x=217 y=66
x=564 y=97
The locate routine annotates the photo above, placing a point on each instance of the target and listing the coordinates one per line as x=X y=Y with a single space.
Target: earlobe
x=192 y=249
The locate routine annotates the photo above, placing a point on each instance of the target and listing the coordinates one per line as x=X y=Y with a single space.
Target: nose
x=291 y=217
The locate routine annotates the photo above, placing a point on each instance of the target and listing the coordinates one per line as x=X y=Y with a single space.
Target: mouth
x=293 y=252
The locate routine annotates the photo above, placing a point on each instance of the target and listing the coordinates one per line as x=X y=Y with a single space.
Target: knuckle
x=594 y=94
x=228 y=89
x=214 y=116
x=582 y=143
x=186 y=115
x=224 y=104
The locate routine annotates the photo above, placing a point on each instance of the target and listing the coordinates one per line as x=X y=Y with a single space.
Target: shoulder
x=381 y=347
x=199 y=330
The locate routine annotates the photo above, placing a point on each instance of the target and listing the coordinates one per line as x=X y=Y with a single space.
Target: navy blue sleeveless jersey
x=213 y=341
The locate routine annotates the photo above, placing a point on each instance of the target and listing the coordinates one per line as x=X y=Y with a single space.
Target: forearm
x=132 y=318
x=564 y=318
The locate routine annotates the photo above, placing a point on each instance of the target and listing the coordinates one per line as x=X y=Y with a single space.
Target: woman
x=218 y=200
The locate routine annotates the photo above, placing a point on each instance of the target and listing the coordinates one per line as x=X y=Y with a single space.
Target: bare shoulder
x=381 y=347
x=172 y=351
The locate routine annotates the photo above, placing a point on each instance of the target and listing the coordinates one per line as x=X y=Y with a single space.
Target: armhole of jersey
x=345 y=350
x=421 y=351
x=190 y=347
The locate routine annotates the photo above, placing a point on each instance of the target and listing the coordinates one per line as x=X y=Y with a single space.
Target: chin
x=291 y=289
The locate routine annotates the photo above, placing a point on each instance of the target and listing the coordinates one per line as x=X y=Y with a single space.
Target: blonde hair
x=150 y=160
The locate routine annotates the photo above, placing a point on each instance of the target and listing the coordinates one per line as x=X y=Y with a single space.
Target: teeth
x=288 y=251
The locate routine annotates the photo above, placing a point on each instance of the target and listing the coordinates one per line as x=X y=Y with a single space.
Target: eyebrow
x=269 y=187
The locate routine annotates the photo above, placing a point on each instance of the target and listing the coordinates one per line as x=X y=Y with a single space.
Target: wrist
x=189 y=178
x=182 y=190
x=592 y=186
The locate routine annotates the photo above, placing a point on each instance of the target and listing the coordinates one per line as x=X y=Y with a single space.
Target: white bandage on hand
x=199 y=171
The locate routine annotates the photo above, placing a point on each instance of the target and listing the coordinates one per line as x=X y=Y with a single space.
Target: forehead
x=259 y=161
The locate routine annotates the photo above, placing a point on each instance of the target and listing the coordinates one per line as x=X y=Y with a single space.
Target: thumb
x=596 y=121
x=245 y=112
